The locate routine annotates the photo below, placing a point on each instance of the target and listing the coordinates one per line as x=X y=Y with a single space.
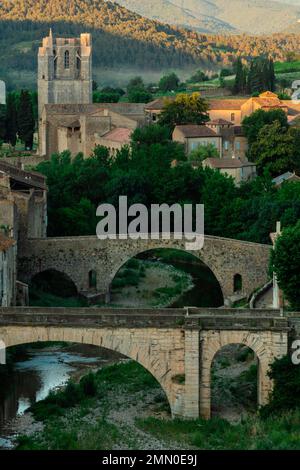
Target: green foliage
x=184 y=109
x=169 y=82
x=108 y=95
x=26 y=122
x=202 y=152
x=286 y=392
x=198 y=76
x=276 y=149
x=137 y=92
x=257 y=120
x=216 y=434
x=285 y=261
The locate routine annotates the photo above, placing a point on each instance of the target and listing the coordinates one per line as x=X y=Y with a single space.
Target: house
x=285 y=177
x=227 y=138
x=114 y=140
x=77 y=127
x=239 y=170
x=234 y=110
x=192 y=136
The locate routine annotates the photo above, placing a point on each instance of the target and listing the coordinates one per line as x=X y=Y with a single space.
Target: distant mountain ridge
x=221 y=16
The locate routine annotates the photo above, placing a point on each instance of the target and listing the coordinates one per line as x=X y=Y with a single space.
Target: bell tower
x=65 y=71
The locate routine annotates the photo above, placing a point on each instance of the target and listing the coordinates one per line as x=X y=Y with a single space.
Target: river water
x=35 y=374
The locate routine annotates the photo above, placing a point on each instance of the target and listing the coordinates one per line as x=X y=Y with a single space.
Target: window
x=67 y=60
x=237 y=283
x=226 y=145
x=232 y=117
x=238 y=145
x=92 y=279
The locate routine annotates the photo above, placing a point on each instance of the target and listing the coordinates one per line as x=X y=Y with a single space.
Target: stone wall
x=8 y=272
x=77 y=256
x=167 y=342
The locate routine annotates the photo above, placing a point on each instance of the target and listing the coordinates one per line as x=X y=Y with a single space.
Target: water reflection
x=33 y=378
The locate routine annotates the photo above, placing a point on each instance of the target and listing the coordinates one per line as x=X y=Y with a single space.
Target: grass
x=46 y=299
x=280 y=433
x=287 y=67
x=66 y=414
x=83 y=424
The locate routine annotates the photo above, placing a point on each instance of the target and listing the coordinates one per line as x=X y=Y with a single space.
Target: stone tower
x=65 y=71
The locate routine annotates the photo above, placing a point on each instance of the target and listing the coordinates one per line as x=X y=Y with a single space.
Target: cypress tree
x=11 y=120
x=239 y=77
x=26 y=123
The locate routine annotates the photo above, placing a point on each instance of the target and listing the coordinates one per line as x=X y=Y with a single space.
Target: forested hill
x=121 y=38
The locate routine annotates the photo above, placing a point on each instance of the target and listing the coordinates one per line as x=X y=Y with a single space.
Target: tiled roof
x=5 y=243
x=119 y=134
x=230 y=104
x=220 y=122
x=193 y=130
x=226 y=163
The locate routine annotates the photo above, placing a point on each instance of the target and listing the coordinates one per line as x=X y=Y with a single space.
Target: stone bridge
x=177 y=346
x=80 y=256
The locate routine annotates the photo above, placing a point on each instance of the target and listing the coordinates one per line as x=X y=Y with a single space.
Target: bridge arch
x=55 y=281
x=150 y=352
x=193 y=255
x=214 y=341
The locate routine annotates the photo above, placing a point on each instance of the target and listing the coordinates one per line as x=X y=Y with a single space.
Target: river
x=38 y=371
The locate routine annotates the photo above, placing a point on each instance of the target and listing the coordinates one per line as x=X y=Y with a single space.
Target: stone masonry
x=76 y=257
x=176 y=346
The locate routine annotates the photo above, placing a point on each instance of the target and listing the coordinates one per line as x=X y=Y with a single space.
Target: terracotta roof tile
x=193 y=130
x=119 y=134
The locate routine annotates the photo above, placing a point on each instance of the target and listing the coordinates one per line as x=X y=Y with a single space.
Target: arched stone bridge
x=169 y=343
x=79 y=256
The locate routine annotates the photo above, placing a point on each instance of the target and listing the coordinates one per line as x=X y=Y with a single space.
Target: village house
x=239 y=170
x=234 y=110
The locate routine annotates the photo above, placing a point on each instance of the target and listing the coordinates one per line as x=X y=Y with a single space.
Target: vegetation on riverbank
x=122 y=407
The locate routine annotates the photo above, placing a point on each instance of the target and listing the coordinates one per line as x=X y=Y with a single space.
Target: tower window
x=67 y=60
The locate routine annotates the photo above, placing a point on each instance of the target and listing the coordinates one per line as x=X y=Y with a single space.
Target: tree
x=240 y=83
x=137 y=92
x=11 y=120
x=148 y=135
x=276 y=149
x=169 y=82
x=184 y=109
x=257 y=120
x=198 y=76
x=26 y=122
x=203 y=152
x=285 y=262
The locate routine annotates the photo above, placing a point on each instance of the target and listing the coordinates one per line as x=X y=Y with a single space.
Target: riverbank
x=129 y=411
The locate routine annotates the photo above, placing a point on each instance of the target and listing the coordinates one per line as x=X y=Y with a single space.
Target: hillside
x=219 y=16
x=125 y=43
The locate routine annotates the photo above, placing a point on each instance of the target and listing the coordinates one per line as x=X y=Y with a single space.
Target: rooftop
x=194 y=130
x=221 y=163
x=119 y=134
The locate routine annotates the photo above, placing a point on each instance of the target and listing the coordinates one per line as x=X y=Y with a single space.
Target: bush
x=88 y=385
x=286 y=392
